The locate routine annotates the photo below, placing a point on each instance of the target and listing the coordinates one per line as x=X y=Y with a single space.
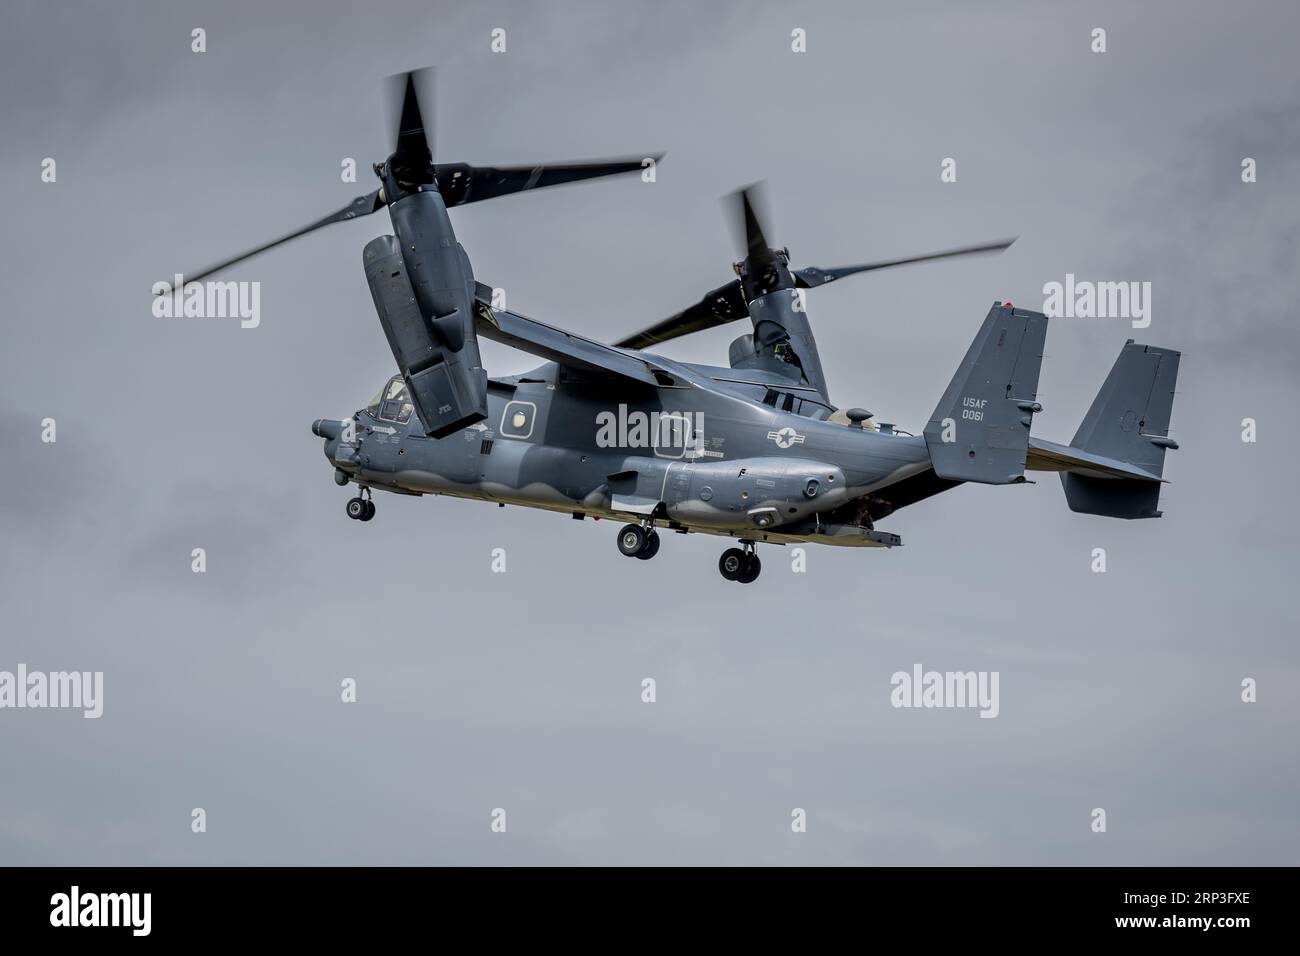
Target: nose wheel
x=636 y=541
x=361 y=509
x=737 y=564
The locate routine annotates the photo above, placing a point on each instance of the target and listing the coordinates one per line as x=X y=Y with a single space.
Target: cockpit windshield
x=392 y=403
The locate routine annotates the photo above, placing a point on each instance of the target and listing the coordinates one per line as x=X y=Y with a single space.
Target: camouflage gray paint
x=756 y=471
x=539 y=447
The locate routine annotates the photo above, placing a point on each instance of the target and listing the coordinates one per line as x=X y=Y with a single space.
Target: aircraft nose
x=327 y=428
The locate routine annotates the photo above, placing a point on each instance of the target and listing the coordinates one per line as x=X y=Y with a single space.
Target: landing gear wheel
x=631 y=539
x=370 y=511
x=752 y=568
x=651 y=547
x=357 y=509
x=732 y=563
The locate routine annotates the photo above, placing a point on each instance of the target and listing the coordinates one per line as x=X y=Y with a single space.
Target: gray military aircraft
x=755 y=451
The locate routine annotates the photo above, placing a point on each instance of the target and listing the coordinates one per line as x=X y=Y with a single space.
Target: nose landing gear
x=737 y=564
x=638 y=541
x=361 y=509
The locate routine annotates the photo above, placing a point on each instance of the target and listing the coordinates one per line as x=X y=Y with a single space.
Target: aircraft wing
x=557 y=345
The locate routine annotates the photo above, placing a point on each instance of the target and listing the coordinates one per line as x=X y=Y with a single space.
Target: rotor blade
x=727 y=303
x=361 y=206
x=813 y=276
x=462 y=183
x=755 y=241
x=724 y=304
x=413 y=148
x=750 y=208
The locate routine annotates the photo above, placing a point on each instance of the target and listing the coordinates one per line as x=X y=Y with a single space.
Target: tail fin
x=980 y=429
x=1129 y=418
x=1128 y=422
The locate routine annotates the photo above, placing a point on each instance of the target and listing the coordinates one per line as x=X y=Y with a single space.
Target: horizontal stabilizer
x=1049 y=456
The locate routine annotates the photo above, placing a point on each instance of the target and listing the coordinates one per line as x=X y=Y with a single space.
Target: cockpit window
x=392 y=404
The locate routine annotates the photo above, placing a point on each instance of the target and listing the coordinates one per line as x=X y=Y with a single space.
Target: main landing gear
x=737 y=564
x=361 y=509
x=638 y=541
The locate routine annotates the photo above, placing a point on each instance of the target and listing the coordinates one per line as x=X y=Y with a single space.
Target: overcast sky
x=523 y=690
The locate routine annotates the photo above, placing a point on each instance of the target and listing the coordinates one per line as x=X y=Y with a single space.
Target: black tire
x=356 y=508
x=370 y=511
x=752 y=568
x=732 y=563
x=631 y=539
x=651 y=547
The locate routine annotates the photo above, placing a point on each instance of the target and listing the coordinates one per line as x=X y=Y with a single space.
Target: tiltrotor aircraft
x=756 y=451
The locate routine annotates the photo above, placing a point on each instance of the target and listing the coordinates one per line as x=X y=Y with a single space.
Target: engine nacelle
x=755 y=493
x=423 y=288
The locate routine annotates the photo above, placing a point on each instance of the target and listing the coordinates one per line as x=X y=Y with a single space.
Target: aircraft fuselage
x=710 y=459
